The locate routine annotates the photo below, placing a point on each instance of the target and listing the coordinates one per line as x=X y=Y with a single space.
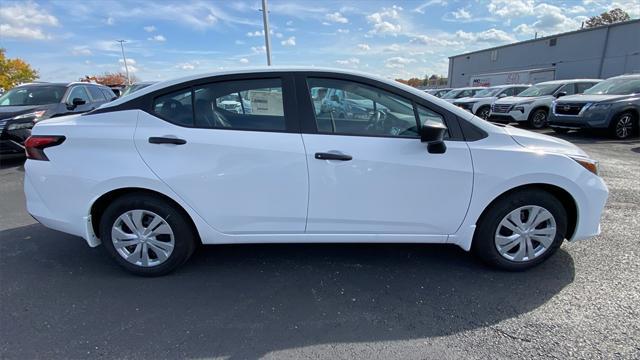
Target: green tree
x=14 y=71
x=607 y=17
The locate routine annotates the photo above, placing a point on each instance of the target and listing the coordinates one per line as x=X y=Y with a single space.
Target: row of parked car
x=24 y=105
x=612 y=105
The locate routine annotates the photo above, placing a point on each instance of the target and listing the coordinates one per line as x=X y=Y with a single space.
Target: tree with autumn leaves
x=14 y=72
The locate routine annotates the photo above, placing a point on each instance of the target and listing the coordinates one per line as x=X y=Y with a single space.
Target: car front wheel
x=521 y=230
x=483 y=112
x=538 y=119
x=146 y=234
x=624 y=126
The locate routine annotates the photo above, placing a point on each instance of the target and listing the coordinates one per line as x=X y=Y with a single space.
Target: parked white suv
x=532 y=106
x=461 y=93
x=153 y=174
x=480 y=103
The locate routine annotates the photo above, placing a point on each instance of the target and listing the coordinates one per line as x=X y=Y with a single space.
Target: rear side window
x=570 y=89
x=108 y=93
x=240 y=105
x=175 y=107
x=95 y=93
x=583 y=86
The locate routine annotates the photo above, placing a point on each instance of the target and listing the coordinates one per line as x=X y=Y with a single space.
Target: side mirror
x=433 y=134
x=561 y=94
x=78 y=101
x=502 y=95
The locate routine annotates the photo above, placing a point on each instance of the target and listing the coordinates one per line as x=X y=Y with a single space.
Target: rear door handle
x=333 y=156
x=166 y=140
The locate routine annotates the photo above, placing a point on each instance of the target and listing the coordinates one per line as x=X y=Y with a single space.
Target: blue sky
x=67 y=39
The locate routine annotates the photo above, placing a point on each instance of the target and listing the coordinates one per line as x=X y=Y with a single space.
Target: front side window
x=351 y=108
x=540 y=90
x=242 y=105
x=581 y=87
x=570 y=89
x=175 y=107
x=78 y=92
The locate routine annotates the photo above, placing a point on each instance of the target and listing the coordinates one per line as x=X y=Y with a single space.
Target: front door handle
x=333 y=156
x=166 y=140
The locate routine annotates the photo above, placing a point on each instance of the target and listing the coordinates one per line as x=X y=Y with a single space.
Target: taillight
x=35 y=145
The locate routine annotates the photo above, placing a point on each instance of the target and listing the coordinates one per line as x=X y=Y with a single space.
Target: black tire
x=624 y=126
x=561 y=131
x=538 y=119
x=483 y=112
x=185 y=239
x=484 y=245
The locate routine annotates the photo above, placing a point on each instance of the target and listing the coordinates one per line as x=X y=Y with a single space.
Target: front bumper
x=511 y=116
x=587 y=120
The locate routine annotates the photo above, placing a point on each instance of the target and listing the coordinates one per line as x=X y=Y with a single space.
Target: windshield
x=615 y=87
x=540 y=90
x=33 y=95
x=451 y=94
x=488 y=92
x=133 y=88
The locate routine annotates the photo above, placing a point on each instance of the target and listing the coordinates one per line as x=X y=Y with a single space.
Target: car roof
x=626 y=76
x=471 y=88
x=59 y=84
x=571 y=81
x=254 y=70
x=508 y=85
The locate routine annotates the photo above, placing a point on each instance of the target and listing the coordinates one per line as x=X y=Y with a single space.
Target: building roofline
x=546 y=37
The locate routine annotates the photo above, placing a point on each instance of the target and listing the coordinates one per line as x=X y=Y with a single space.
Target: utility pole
x=267 y=36
x=124 y=59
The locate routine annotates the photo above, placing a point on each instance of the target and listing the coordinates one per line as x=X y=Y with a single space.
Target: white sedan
x=152 y=175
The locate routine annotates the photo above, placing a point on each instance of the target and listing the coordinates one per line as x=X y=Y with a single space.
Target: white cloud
x=364 y=47
x=421 y=9
x=509 y=9
x=239 y=42
x=487 y=36
x=188 y=65
x=550 y=19
x=343 y=31
x=289 y=23
x=131 y=65
x=255 y=33
x=336 y=17
x=244 y=61
x=348 y=62
x=398 y=62
x=279 y=35
x=150 y=28
x=291 y=41
x=110 y=21
x=461 y=14
x=434 y=41
x=10 y=31
x=385 y=21
x=23 y=20
x=81 y=51
x=158 y=38
x=258 y=49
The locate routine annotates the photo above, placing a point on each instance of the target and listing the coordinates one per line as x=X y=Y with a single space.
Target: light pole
x=124 y=59
x=267 y=36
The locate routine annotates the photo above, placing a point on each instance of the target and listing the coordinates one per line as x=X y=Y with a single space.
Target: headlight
x=20 y=126
x=589 y=164
x=35 y=115
x=596 y=107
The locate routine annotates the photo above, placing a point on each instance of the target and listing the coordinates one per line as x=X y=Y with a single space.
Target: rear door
x=242 y=167
x=372 y=175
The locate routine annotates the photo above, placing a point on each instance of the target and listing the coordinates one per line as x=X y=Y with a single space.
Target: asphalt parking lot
x=61 y=299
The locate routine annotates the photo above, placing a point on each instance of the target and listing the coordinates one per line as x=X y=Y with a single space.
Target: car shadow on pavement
x=62 y=299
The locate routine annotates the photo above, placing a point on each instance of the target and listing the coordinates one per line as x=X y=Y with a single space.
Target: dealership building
x=595 y=53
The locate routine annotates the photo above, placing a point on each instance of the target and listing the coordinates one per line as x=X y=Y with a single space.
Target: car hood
x=590 y=98
x=517 y=99
x=540 y=142
x=7 y=112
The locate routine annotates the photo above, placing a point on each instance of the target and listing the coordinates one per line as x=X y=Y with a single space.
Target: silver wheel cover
x=143 y=238
x=525 y=233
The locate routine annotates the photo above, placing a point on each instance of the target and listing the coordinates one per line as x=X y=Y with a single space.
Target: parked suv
x=533 y=105
x=613 y=104
x=460 y=93
x=26 y=104
x=480 y=103
x=438 y=92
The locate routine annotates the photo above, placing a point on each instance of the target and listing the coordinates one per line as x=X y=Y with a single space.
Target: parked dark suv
x=24 y=105
x=612 y=105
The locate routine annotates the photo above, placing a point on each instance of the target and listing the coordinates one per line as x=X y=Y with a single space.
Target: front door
x=371 y=174
x=227 y=150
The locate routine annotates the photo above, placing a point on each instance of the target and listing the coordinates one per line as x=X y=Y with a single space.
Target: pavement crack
x=504 y=333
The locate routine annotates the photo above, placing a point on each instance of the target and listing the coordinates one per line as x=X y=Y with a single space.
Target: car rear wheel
x=483 y=112
x=624 y=126
x=146 y=235
x=538 y=119
x=521 y=230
